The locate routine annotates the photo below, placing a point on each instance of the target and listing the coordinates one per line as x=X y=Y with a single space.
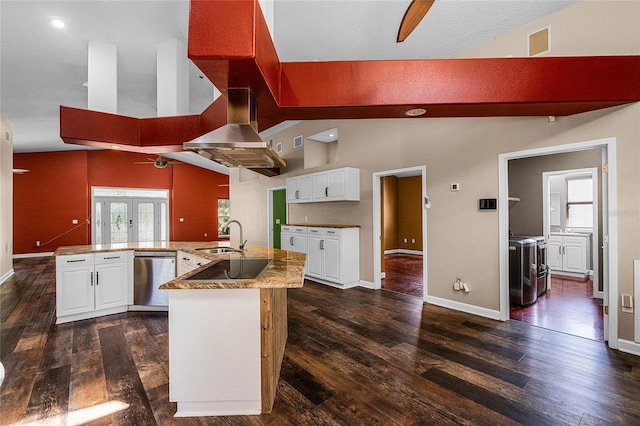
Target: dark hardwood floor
x=353 y=357
x=403 y=273
x=567 y=307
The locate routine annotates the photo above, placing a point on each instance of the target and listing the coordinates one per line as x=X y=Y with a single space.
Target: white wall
x=6 y=197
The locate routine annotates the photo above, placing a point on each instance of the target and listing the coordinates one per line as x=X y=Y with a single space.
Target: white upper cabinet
x=299 y=189
x=333 y=185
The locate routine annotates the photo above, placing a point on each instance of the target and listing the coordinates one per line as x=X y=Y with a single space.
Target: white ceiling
x=43 y=67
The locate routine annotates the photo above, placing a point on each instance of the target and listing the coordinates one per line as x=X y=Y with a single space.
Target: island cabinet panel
x=273 y=317
x=214 y=352
x=91 y=285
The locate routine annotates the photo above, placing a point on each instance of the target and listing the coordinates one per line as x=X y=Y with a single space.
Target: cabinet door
x=332 y=260
x=554 y=253
x=337 y=183
x=305 y=188
x=315 y=255
x=299 y=243
x=320 y=186
x=292 y=188
x=75 y=290
x=286 y=241
x=111 y=284
x=575 y=254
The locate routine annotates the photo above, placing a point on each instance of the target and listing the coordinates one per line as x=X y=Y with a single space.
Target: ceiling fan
x=412 y=17
x=159 y=162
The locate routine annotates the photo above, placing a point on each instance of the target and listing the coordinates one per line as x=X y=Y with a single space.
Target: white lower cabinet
x=333 y=256
x=91 y=285
x=187 y=262
x=294 y=238
x=569 y=253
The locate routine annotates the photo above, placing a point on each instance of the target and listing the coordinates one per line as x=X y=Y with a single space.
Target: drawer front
x=315 y=232
x=74 y=260
x=300 y=230
x=333 y=232
x=112 y=257
x=286 y=228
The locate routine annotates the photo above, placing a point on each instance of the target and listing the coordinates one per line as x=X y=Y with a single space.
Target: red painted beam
x=386 y=89
x=148 y=135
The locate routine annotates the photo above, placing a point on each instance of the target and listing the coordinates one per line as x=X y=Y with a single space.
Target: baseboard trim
x=463 y=307
x=366 y=284
x=404 y=251
x=25 y=255
x=6 y=276
x=629 y=347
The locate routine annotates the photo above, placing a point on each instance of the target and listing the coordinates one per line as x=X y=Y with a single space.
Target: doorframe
x=595 y=241
x=610 y=234
x=270 y=213
x=377 y=217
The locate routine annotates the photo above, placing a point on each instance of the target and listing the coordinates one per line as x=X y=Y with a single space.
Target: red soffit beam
x=148 y=135
x=229 y=41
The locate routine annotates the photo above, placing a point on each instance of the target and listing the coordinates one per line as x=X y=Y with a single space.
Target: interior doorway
x=277 y=214
x=399 y=222
x=605 y=236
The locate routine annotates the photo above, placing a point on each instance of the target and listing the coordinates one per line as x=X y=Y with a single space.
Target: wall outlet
x=413 y=241
x=465 y=287
x=205 y=234
x=405 y=240
x=38 y=243
x=306 y=218
x=74 y=222
x=182 y=219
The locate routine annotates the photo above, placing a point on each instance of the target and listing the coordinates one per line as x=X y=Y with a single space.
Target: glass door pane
x=97 y=219
x=146 y=221
x=119 y=222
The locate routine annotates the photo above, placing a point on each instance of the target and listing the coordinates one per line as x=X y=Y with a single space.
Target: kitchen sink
x=233 y=270
x=218 y=250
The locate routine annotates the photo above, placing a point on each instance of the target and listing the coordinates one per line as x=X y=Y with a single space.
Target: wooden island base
x=225 y=349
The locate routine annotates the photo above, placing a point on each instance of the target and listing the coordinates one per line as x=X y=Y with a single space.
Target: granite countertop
x=325 y=225
x=286 y=269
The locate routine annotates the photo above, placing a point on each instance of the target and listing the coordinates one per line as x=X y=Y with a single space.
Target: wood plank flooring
x=403 y=273
x=353 y=357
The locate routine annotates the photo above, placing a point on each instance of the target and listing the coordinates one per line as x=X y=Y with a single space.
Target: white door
x=123 y=220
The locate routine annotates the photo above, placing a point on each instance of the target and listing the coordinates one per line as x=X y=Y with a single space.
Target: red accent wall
x=48 y=198
x=57 y=190
x=195 y=198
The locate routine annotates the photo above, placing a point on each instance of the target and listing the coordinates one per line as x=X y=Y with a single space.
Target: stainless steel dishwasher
x=150 y=270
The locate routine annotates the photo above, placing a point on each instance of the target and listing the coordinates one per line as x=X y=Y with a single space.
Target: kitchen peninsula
x=227 y=333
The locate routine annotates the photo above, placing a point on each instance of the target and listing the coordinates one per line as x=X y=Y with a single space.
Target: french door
x=123 y=220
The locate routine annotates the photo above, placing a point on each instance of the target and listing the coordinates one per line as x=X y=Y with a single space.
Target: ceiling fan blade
x=412 y=17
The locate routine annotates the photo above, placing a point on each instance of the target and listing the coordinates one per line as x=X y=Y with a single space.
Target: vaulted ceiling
x=43 y=67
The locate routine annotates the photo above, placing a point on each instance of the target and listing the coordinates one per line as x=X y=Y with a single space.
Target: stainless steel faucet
x=242 y=242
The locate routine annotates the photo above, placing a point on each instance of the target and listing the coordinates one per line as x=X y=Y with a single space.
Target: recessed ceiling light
x=58 y=23
x=415 y=112
x=330 y=135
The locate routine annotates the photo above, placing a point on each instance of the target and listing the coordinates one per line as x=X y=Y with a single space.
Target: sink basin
x=218 y=250
x=233 y=270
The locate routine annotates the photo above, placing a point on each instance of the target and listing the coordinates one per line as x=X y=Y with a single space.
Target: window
x=224 y=216
x=580 y=203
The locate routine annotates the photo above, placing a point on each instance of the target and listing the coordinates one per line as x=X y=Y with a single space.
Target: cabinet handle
x=331 y=232
x=77 y=260
x=297 y=194
x=326 y=191
x=559 y=249
x=321 y=244
x=291 y=240
x=112 y=257
x=92 y=278
x=97 y=278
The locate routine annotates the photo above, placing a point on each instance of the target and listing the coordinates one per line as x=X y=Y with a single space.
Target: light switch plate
x=627 y=303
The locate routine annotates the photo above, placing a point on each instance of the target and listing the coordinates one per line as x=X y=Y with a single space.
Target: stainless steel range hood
x=237 y=144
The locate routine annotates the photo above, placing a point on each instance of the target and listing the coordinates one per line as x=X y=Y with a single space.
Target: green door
x=279 y=203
